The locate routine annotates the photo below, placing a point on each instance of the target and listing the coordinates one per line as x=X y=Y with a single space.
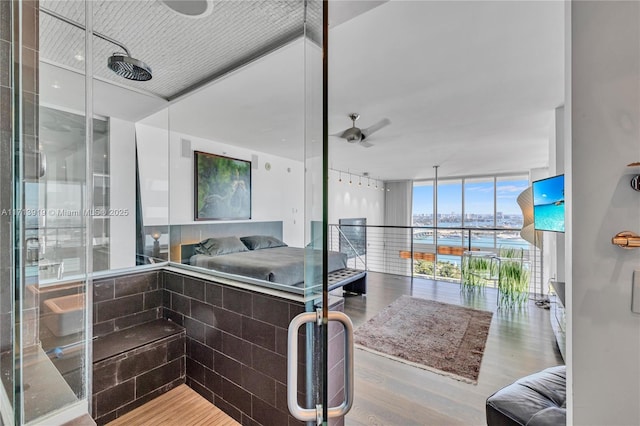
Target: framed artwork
x=222 y=187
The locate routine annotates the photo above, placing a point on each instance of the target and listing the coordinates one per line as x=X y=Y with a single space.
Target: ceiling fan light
x=190 y=8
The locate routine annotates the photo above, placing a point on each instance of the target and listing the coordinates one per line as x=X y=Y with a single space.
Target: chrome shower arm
x=82 y=27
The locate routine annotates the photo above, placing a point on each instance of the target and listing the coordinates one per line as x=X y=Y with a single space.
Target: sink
x=64 y=315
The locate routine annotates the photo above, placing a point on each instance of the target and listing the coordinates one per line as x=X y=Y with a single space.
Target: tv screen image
x=548 y=204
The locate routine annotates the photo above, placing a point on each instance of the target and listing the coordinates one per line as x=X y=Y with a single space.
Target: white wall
x=559 y=259
x=276 y=194
x=122 y=193
x=553 y=242
x=355 y=201
x=351 y=201
x=604 y=106
x=153 y=163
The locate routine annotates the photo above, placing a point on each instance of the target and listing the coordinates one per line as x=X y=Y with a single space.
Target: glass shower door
x=324 y=404
x=46 y=373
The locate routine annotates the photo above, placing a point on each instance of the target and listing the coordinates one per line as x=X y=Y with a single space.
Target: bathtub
x=64 y=315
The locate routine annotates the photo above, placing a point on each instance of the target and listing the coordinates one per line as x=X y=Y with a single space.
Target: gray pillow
x=218 y=246
x=257 y=242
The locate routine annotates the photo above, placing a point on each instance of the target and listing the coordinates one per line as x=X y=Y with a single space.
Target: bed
x=269 y=259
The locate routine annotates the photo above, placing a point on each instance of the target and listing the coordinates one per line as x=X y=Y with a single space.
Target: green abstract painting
x=222 y=187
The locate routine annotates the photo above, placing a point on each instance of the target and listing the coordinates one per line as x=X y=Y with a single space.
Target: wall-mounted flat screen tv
x=548 y=204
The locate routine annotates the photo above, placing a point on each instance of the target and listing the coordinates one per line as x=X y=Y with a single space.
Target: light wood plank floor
x=387 y=392
x=181 y=406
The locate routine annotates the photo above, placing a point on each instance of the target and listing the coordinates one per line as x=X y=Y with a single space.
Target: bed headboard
x=185 y=237
x=186 y=251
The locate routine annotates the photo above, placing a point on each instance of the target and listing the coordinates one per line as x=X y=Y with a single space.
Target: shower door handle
x=315 y=414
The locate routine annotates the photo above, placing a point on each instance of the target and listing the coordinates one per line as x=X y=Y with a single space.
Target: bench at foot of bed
x=351 y=280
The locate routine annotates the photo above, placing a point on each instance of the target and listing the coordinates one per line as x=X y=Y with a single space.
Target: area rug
x=446 y=339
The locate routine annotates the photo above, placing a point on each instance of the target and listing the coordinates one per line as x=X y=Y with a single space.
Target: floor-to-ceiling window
x=508 y=213
x=479 y=212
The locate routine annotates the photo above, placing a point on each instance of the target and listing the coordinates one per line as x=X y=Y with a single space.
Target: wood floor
x=181 y=406
x=387 y=392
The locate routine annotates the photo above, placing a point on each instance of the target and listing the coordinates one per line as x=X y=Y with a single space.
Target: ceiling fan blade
x=365 y=144
x=374 y=128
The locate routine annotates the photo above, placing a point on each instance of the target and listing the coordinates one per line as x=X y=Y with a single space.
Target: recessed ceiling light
x=79 y=56
x=190 y=8
x=55 y=85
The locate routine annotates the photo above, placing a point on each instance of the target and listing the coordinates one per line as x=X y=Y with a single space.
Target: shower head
x=129 y=68
x=120 y=63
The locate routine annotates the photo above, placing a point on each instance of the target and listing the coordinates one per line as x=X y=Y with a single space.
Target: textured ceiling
x=470 y=86
x=182 y=52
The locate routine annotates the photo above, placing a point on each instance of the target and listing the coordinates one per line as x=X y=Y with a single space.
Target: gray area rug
x=446 y=339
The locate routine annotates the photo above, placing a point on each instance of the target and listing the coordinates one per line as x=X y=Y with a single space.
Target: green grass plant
x=512 y=276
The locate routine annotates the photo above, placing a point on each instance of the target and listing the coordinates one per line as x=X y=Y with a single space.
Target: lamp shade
x=528 y=232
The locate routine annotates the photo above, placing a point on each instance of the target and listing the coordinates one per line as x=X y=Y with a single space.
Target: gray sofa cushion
x=549 y=416
x=519 y=402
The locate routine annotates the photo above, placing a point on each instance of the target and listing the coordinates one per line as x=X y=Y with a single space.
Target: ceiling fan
x=354 y=134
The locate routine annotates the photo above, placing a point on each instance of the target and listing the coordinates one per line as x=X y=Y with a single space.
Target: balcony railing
x=423 y=251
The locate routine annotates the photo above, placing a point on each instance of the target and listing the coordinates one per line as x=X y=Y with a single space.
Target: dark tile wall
x=237 y=346
x=126 y=381
x=126 y=301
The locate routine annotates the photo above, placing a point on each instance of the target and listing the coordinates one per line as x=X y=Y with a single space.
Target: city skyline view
x=478 y=202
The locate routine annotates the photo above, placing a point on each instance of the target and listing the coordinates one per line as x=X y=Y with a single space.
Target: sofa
x=535 y=400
